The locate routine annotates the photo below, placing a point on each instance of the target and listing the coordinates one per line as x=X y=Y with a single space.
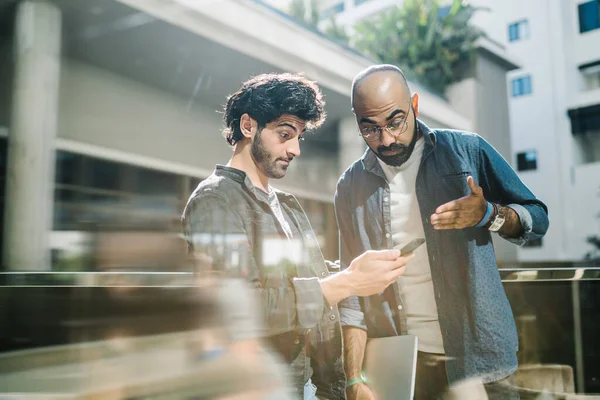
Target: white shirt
x=416 y=286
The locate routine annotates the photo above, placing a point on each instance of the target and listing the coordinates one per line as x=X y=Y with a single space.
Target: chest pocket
x=455 y=184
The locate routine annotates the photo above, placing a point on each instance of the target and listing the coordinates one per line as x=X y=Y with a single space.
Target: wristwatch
x=498 y=219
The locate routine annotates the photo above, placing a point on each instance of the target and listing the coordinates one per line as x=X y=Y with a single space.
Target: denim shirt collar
x=369 y=159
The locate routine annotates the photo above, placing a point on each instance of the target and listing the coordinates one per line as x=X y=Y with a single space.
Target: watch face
x=497 y=224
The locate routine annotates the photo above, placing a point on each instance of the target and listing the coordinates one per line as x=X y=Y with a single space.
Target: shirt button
x=324 y=274
x=297 y=341
x=332 y=317
x=400 y=307
x=387 y=235
x=385 y=199
x=308 y=331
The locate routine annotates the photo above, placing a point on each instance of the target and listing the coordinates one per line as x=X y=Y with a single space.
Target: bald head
x=386 y=113
x=377 y=80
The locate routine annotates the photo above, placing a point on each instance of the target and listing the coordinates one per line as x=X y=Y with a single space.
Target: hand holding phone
x=411 y=246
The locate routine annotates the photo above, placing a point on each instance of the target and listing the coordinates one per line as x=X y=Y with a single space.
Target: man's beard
x=265 y=161
x=402 y=157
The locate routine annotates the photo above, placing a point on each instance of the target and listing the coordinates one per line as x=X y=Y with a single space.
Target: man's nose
x=386 y=138
x=294 y=148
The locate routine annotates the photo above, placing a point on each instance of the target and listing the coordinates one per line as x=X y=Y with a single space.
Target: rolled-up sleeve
x=214 y=232
x=309 y=301
x=351 y=312
x=526 y=225
x=501 y=184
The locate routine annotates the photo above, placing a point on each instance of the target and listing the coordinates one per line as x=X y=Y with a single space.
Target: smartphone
x=411 y=246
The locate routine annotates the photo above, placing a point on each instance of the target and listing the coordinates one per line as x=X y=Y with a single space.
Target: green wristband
x=354 y=381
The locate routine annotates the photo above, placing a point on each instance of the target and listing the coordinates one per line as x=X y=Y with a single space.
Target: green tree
x=336 y=32
x=436 y=49
x=297 y=9
x=314 y=13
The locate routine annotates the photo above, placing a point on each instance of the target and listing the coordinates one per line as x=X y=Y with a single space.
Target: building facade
x=555 y=114
x=109 y=114
x=553 y=96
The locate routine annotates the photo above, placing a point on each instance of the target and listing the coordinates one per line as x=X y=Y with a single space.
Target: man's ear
x=248 y=126
x=415 y=103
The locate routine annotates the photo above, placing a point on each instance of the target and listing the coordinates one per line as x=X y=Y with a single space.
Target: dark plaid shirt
x=231 y=227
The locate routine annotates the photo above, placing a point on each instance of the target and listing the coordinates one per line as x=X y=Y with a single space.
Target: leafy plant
x=437 y=48
x=336 y=32
x=297 y=9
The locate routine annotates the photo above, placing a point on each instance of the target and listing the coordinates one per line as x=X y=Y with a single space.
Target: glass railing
x=72 y=326
x=556 y=311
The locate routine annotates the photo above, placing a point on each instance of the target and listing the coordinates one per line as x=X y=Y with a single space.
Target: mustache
x=392 y=147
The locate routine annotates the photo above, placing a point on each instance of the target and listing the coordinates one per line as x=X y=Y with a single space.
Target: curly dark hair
x=267 y=97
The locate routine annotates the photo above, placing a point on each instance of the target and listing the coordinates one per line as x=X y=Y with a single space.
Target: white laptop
x=390 y=367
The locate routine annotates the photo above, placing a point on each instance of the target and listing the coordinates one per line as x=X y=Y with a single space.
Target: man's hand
x=368 y=274
x=373 y=271
x=462 y=213
x=360 y=391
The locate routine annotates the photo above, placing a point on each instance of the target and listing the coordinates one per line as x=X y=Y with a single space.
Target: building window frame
x=522 y=86
x=589 y=16
x=527 y=161
x=518 y=30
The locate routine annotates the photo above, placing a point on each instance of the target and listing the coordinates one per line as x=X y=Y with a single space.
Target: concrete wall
x=463 y=98
x=538 y=120
x=103 y=109
x=493 y=122
x=586 y=206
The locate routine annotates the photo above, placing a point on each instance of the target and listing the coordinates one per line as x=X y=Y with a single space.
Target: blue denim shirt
x=476 y=320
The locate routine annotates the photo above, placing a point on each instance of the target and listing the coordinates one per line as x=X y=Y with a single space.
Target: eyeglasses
x=395 y=128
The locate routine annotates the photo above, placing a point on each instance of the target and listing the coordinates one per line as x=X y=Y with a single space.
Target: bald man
x=454 y=190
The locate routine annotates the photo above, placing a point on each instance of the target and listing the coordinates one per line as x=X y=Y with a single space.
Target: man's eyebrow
x=394 y=113
x=289 y=125
x=390 y=117
x=367 y=120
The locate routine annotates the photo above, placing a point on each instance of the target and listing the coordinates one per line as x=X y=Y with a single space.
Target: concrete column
x=352 y=146
x=31 y=158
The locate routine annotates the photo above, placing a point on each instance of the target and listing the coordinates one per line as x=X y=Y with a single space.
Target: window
x=518 y=31
x=527 y=161
x=521 y=86
x=589 y=16
x=591 y=75
x=98 y=191
x=592 y=80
